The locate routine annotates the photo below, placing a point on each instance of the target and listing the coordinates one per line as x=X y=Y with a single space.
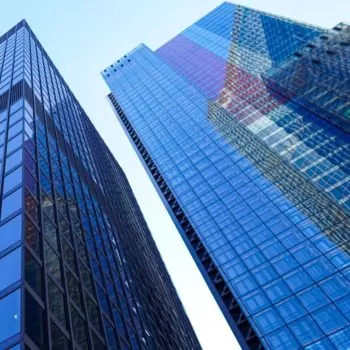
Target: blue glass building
x=242 y=122
x=78 y=266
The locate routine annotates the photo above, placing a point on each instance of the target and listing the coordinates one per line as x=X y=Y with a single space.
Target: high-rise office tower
x=78 y=266
x=242 y=122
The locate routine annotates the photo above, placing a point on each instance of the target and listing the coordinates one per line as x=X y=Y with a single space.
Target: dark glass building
x=78 y=266
x=242 y=121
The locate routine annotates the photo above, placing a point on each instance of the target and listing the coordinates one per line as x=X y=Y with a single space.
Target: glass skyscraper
x=78 y=266
x=242 y=121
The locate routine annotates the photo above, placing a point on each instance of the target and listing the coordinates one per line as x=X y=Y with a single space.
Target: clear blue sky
x=83 y=37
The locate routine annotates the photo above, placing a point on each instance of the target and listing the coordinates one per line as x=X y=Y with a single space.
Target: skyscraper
x=78 y=266
x=242 y=122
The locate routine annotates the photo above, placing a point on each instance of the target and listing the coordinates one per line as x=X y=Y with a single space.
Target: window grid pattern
x=316 y=76
x=263 y=182
x=79 y=283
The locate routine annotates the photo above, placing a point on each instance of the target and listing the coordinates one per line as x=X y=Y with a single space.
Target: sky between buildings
x=82 y=37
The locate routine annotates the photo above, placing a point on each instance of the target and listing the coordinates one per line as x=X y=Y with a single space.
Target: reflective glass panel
x=11 y=203
x=10 y=232
x=10 y=320
x=14 y=159
x=10 y=267
x=13 y=179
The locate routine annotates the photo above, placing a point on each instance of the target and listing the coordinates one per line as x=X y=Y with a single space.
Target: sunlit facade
x=242 y=122
x=78 y=266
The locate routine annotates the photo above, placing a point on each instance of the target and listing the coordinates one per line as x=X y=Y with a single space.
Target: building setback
x=242 y=122
x=78 y=266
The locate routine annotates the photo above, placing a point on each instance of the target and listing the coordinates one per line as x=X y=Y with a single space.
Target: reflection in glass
x=59 y=341
x=30 y=182
x=33 y=273
x=56 y=300
x=32 y=236
x=79 y=328
x=31 y=206
x=53 y=265
x=34 y=321
x=261 y=183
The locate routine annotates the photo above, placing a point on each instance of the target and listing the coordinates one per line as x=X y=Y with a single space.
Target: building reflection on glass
x=251 y=155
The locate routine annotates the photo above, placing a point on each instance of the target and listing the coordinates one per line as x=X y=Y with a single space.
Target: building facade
x=78 y=266
x=242 y=122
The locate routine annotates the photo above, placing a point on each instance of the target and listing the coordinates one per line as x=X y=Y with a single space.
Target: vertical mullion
x=35 y=114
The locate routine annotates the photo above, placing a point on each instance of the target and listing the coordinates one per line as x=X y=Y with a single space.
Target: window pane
x=10 y=267
x=52 y=263
x=73 y=288
x=32 y=237
x=33 y=273
x=97 y=342
x=92 y=312
x=16 y=347
x=14 y=159
x=79 y=329
x=30 y=163
x=119 y=322
x=28 y=130
x=59 y=341
x=10 y=319
x=10 y=232
x=15 y=129
x=11 y=204
x=3 y=115
x=50 y=232
x=2 y=138
x=14 y=143
x=16 y=116
x=34 y=321
x=28 y=118
x=112 y=342
x=56 y=300
x=16 y=106
x=13 y=179
x=31 y=206
x=3 y=126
